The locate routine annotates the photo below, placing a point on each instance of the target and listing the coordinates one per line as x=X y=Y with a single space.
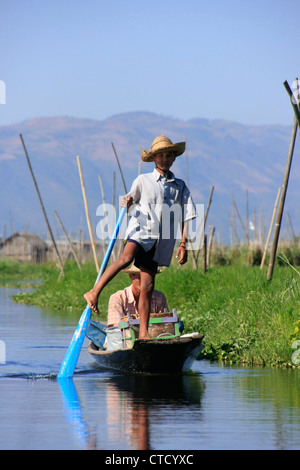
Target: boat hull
x=155 y=356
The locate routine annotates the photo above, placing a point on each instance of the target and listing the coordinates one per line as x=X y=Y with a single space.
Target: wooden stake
x=282 y=201
x=211 y=236
x=43 y=208
x=187 y=165
x=68 y=240
x=295 y=104
x=105 y=214
x=121 y=173
x=270 y=230
x=240 y=219
x=254 y=227
x=291 y=226
x=247 y=217
x=204 y=253
x=205 y=219
x=87 y=215
x=125 y=189
x=114 y=189
x=235 y=237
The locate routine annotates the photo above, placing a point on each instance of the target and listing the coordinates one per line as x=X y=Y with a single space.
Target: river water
x=213 y=407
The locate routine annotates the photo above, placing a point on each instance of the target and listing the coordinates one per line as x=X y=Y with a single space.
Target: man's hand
x=126 y=201
x=183 y=254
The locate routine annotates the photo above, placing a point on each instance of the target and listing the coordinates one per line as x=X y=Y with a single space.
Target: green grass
x=244 y=317
x=15 y=273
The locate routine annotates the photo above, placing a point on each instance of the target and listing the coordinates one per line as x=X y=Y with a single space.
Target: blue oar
x=72 y=355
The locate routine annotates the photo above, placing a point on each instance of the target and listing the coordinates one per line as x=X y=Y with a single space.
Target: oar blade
x=72 y=355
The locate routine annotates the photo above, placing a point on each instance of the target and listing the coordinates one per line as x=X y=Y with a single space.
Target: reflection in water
x=129 y=402
x=277 y=391
x=73 y=410
x=240 y=408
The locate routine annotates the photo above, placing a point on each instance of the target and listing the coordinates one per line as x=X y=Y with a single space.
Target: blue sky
x=184 y=59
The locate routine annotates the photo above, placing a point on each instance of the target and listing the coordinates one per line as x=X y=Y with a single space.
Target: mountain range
x=241 y=162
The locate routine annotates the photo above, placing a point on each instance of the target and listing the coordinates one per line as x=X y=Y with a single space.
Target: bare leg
x=146 y=290
x=125 y=259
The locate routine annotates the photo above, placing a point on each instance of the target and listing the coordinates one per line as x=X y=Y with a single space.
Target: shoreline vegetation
x=245 y=318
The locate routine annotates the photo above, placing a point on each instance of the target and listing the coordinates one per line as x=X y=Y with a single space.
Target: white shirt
x=160 y=206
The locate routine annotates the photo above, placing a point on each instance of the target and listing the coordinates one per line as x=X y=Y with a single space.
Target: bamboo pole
x=114 y=189
x=105 y=213
x=187 y=165
x=260 y=230
x=87 y=214
x=120 y=169
x=68 y=240
x=282 y=201
x=291 y=226
x=254 y=227
x=204 y=261
x=247 y=217
x=204 y=221
x=240 y=219
x=210 y=242
x=235 y=237
x=270 y=230
x=104 y=204
x=295 y=103
x=194 y=259
x=43 y=208
x=125 y=189
x=80 y=248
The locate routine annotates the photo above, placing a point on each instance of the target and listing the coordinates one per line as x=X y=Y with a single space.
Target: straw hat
x=134 y=270
x=162 y=144
x=131 y=270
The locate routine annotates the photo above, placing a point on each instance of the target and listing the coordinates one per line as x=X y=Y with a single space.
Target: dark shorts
x=145 y=258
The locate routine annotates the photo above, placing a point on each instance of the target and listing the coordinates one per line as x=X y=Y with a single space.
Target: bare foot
x=92 y=300
x=144 y=336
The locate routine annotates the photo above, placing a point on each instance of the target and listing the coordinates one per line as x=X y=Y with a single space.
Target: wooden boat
x=155 y=356
x=167 y=352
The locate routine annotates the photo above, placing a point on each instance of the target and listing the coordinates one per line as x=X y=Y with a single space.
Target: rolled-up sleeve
x=189 y=209
x=135 y=190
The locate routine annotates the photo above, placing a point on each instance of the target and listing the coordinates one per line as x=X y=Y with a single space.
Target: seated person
x=124 y=301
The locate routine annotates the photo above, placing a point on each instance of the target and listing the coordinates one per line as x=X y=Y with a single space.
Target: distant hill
x=233 y=158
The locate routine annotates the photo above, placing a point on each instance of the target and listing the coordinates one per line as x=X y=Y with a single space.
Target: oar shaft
x=111 y=243
x=72 y=355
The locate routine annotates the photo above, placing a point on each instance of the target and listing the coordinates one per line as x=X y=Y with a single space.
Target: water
x=214 y=407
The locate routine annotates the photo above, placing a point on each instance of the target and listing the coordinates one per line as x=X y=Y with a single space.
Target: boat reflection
x=135 y=402
x=126 y=407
